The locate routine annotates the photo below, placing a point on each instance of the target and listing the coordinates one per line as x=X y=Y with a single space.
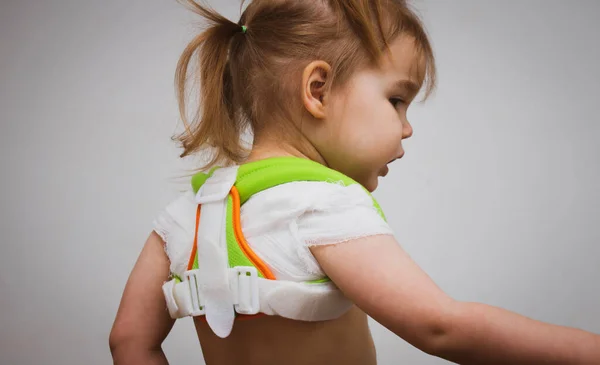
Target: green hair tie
x=244 y=29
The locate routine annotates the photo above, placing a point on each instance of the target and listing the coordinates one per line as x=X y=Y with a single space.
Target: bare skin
x=277 y=340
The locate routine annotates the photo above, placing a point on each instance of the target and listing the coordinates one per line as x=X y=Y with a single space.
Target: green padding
x=257 y=176
x=319 y=281
x=175 y=277
x=195 y=264
x=200 y=178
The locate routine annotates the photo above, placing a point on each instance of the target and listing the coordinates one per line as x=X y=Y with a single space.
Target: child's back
x=277 y=340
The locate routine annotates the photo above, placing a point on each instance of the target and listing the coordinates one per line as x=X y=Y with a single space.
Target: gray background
x=497 y=197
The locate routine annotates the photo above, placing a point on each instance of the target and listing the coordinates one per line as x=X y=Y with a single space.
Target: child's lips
x=386 y=169
x=397 y=158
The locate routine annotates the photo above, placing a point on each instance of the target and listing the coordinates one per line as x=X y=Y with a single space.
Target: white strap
x=168 y=290
x=216 y=188
x=302 y=301
x=251 y=295
x=213 y=265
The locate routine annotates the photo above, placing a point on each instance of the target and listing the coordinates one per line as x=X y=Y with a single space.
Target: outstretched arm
x=143 y=322
x=383 y=281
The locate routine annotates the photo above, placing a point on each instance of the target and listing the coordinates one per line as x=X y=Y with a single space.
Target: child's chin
x=371 y=186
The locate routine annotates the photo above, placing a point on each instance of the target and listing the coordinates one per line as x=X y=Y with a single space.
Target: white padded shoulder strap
x=213 y=264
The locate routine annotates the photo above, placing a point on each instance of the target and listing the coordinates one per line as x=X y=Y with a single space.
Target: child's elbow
x=122 y=340
x=435 y=344
x=130 y=348
x=439 y=336
x=435 y=340
x=117 y=339
x=447 y=335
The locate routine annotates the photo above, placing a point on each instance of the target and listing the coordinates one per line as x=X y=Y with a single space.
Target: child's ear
x=315 y=80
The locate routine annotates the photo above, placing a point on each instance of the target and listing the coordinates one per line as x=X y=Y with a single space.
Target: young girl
x=328 y=81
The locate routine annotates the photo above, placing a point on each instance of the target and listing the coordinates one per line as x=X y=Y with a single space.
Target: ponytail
x=217 y=124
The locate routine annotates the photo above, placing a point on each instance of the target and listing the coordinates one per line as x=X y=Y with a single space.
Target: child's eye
x=396 y=102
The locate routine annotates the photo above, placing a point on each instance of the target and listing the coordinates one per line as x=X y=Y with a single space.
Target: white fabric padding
x=298 y=215
x=176 y=225
x=280 y=224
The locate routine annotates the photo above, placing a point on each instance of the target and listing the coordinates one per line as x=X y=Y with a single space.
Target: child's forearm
x=481 y=334
x=131 y=355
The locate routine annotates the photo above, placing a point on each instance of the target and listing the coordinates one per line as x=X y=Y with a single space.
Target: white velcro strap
x=302 y=301
x=251 y=295
x=168 y=290
x=217 y=187
x=213 y=265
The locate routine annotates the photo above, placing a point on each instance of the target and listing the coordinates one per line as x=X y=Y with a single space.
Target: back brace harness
x=224 y=276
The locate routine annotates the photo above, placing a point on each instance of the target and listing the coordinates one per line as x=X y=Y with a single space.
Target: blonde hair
x=248 y=77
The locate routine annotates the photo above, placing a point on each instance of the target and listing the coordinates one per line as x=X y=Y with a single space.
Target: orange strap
x=237 y=226
x=195 y=245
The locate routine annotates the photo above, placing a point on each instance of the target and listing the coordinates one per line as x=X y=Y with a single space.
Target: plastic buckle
x=217 y=187
x=191 y=278
x=244 y=287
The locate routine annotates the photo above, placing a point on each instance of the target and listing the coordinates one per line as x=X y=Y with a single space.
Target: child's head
x=327 y=79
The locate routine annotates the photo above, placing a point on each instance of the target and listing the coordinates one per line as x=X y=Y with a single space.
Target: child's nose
x=407 y=130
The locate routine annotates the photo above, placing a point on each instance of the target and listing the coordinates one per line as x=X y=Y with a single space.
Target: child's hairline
x=420 y=60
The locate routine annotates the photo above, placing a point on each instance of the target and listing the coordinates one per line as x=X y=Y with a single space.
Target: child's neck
x=269 y=148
